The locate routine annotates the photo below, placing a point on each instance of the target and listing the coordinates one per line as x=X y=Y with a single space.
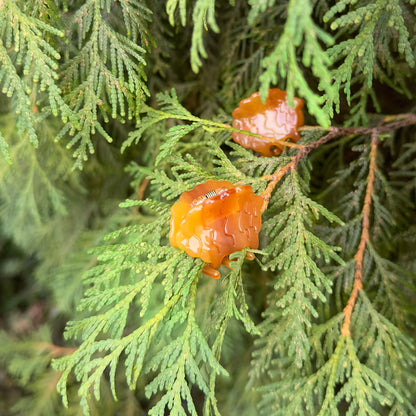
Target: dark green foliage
x=110 y=110
x=361 y=59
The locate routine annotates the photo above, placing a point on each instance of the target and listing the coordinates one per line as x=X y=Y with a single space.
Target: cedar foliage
x=109 y=111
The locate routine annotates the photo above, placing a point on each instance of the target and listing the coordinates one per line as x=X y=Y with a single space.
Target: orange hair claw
x=214 y=220
x=274 y=119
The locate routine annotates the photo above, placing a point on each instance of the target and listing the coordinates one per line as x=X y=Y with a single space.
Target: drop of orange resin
x=274 y=119
x=214 y=220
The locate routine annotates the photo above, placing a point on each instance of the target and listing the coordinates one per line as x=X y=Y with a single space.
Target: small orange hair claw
x=274 y=119
x=214 y=220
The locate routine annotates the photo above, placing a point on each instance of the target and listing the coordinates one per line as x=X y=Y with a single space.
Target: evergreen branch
x=18 y=87
x=172 y=109
x=105 y=75
x=241 y=69
x=171 y=6
x=365 y=236
x=113 y=288
x=388 y=124
x=231 y=303
x=4 y=148
x=28 y=360
x=186 y=172
x=366 y=54
x=258 y=7
x=152 y=334
x=277 y=176
x=294 y=250
x=362 y=387
x=300 y=31
x=178 y=362
x=253 y=168
x=203 y=17
x=135 y=344
x=393 y=292
x=173 y=136
x=344 y=373
x=34 y=189
x=34 y=66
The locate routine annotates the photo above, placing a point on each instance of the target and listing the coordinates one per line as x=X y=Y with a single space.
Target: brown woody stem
x=55 y=350
x=389 y=123
x=365 y=237
x=275 y=177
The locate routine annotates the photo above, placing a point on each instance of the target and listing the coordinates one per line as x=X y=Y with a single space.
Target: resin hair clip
x=216 y=219
x=273 y=119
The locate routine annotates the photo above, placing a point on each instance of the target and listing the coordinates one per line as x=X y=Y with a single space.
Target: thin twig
x=55 y=350
x=365 y=236
x=275 y=177
x=389 y=123
x=142 y=189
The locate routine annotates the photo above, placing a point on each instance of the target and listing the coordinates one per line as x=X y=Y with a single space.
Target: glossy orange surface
x=274 y=119
x=214 y=220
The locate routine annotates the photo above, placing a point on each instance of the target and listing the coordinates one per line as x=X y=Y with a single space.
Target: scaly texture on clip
x=274 y=120
x=215 y=219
